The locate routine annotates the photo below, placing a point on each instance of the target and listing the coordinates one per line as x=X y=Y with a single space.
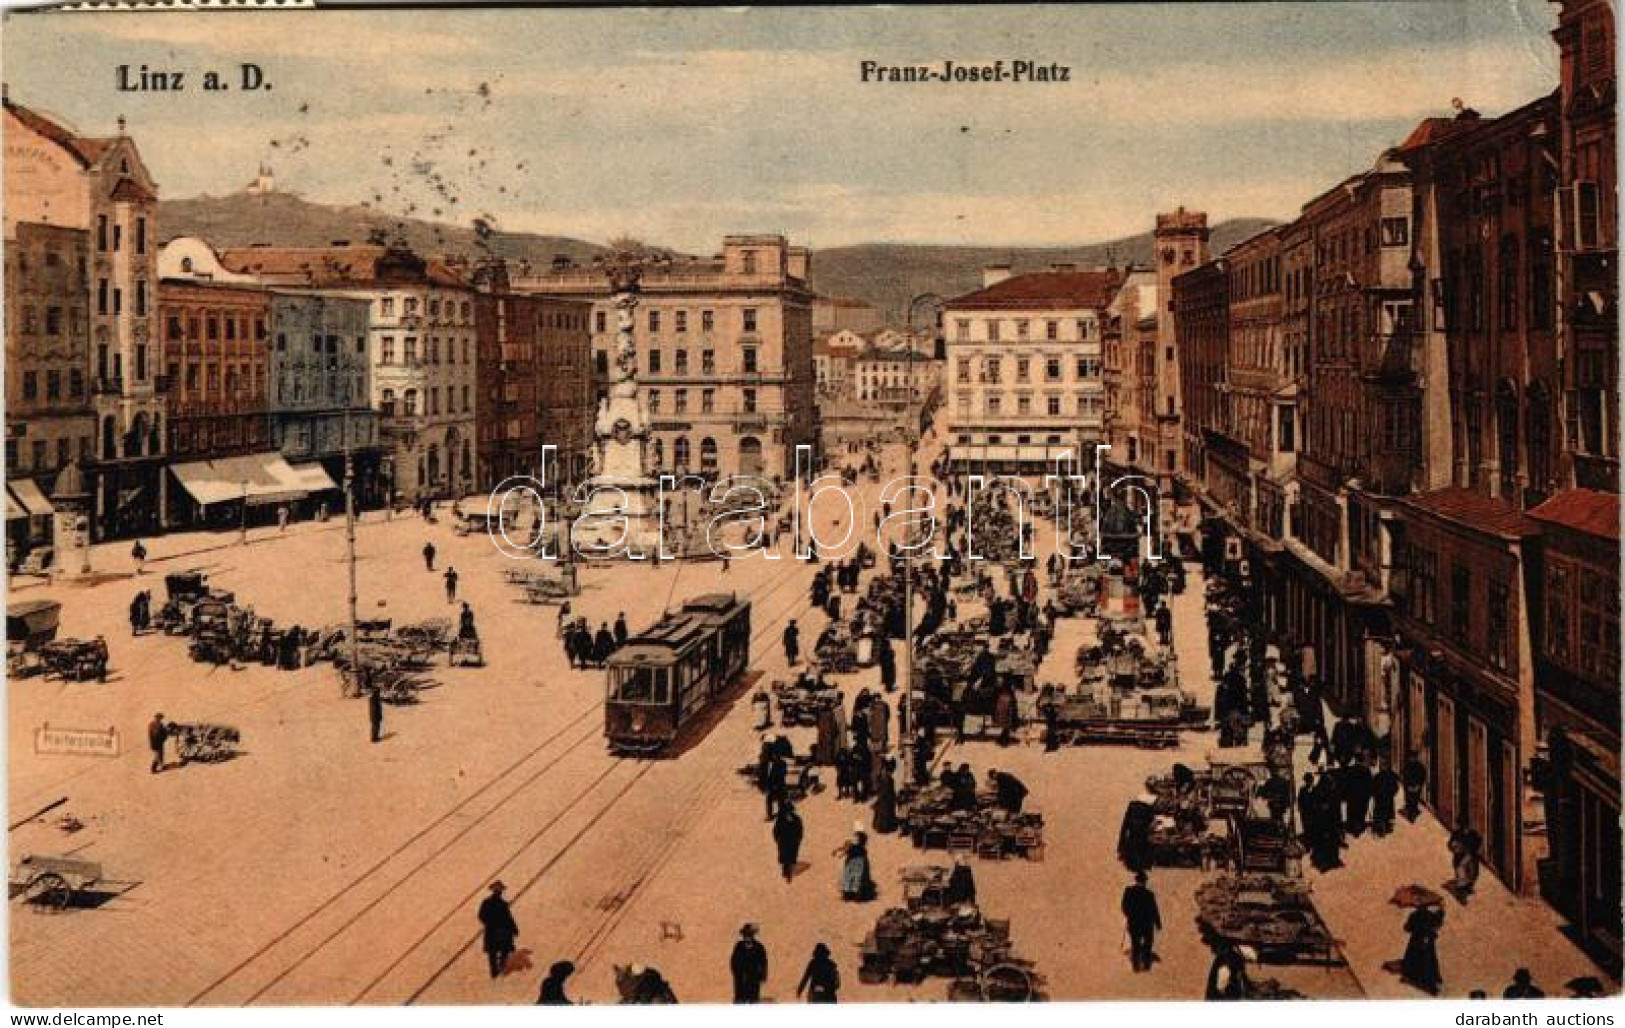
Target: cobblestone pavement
x=319 y=868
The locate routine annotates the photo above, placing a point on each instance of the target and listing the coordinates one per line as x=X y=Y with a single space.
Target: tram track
x=274 y=965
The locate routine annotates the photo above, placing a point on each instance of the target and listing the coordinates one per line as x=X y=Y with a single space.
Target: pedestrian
x=787 y=834
x=603 y=644
x=821 y=981
x=1165 y=626
x=885 y=819
x=1142 y=922
x=499 y=928
x=1464 y=848
x=748 y=965
x=158 y=733
x=1523 y=986
x=138 y=552
x=1384 y=787
x=775 y=784
x=428 y=556
x=857 y=884
x=135 y=614
x=282 y=518
x=1413 y=777
x=1357 y=786
x=1009 y=791
x=375 y=712
x=621 y=632
x=961 y=882
x=792 y=642
x=1420 y=964
x=553 y=985
x=451 y=584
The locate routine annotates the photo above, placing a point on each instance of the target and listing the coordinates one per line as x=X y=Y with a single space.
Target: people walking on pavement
x=158 y=732
x=428 y=556
x=857 y=883
x=1465 y=845
x=787 y=835
x=451 y=584
x=621 y=631
x=603 y=644
x=1384 y=787
x=1523 y=986
x=792 y=642
x=499 y=928
x=821 y=981
x=1420 y=964
x=138 y=553
x=775 y=783
x=748 y=965
x=1142 y=921
x=375 y=712
x=553 y=985
x=1414 y=778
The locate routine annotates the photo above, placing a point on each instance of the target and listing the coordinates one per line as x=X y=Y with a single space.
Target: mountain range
x=887 y=275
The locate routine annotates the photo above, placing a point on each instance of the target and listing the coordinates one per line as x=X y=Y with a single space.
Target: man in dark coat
x=961 y=883
x=1143 y=920
x=748 y=965
x=1165 y=625
x=451 y=585
x=1384 y=787
x=1414 y=778
x=603 y=644
x=428 y=556
x=621 y=631
x=157 y=736
x=775 y=784
x=1010 y=791
x=787 y=833
x=499 y=927
x=1356 y=786
x=375 y=712
x=792 y=642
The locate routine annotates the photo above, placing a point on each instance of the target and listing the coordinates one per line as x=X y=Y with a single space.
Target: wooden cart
x=52 y=883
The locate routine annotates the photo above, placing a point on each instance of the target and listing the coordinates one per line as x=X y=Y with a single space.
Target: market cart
x=30 y=625
x=206 y=743
x=52 y=882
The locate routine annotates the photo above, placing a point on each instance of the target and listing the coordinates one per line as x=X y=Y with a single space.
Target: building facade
x=216 y=355
x=1024 y=379
x=420 y=347
x=725 y=352
x=99 y=185
x=50 y=419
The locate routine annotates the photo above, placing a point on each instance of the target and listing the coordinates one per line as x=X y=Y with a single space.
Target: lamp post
x=913 y=428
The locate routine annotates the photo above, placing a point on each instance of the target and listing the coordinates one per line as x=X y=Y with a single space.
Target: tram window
x=641 y=685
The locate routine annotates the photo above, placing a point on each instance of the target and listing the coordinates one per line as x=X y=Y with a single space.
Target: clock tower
x=1180 y=245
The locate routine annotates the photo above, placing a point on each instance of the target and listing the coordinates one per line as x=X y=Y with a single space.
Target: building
x=420 y=348
x=1199 y=304
x=1587 y=241
x=1023 y=370
x=98 y=185
x=215 y=350
x=833 y=355
x=725 y=347
x=895 y=379
x=50 y=416
x=1181 y=241
x=535 y=381
x=316 y=385
x=1575 y=635
x=831 y=314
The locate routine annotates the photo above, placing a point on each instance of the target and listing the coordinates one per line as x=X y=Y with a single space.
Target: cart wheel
x=1007 y=983
x=50 y=891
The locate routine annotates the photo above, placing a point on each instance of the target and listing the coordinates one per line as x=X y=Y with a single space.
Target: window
x=1507 y=291
x=53 y=321
x=654 y=321
x=749 y=317
x=962 y=372
x=411 y=305
x=101 y=232
x=680 y=321
x=30 y=385
x=53 y=385
x=386 y=307
x=101 y=296
x=468 y=404
x=1024 y=404
x=1023 y=369
x=141 y=235
x=434 y=308
x=708 y=401
x=708 y=321
x=601 y=363
x=1499 y=637
x=1053 y=406
x=1023 y=329
x=682 y=401
x=992 y=330
x=1287 y=429
x=654 y=401
x=1052 y=330
x=386 y=348
x=748 y=354
x=994 y=402
x=1396 y=232
x=993 y=370
x=654 y=362
x=748 y=258
x=681 y=362
x=411 y=352
x=962 y=329
x=750 y=401
x=708 y=362
x=76 y=382
x=1052 y=369
x=1461 y=585
x=599 y=321
x=38 y=450
x=1086 y=328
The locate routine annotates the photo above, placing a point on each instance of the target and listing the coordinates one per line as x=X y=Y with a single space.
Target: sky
x=678 y=126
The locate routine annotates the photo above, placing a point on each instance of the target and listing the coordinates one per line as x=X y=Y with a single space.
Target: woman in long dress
x=885 y=821
x=1420 y=965
x=856 y=884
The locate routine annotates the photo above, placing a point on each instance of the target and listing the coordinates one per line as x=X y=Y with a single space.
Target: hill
x=887 y=275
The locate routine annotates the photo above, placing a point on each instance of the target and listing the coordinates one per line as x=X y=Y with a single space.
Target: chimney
x=1063 y=267
x=993 y=274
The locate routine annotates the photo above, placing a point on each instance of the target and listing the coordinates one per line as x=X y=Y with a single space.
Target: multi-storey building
x=1024 y=369
x=1181 y=240
x=725 y=353
x=215 y=352
x=1588 y=241
x=832 y=361
x=58 y=177
x=535 y=381
x=420 y=345
x=1128 y=356
x=50 y=419
x=1200 y=307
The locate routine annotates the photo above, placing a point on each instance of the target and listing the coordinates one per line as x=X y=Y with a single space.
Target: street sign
x=76 y=742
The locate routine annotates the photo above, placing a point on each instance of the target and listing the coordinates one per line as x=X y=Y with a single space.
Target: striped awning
x=257 y=478
x=25 y=499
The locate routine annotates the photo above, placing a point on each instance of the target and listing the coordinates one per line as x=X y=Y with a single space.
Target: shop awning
x=257 y=478
x=313 y=478
x=26 y=494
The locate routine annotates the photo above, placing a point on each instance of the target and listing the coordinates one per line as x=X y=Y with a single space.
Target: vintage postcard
x=822 y=504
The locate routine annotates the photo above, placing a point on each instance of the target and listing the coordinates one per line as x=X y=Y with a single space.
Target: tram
x=666 y=676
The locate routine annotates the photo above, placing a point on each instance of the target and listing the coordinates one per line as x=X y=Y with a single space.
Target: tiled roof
x=1472 y=509
x=1042 y=290
x=88 y=151
x=322 y=265
x=129 y=190
x=1430 y=130
x=1584 y=510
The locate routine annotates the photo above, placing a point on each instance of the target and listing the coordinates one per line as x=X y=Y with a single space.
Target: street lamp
x=913 y=427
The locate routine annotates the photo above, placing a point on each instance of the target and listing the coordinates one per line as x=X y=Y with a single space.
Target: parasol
x=1416 y=896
